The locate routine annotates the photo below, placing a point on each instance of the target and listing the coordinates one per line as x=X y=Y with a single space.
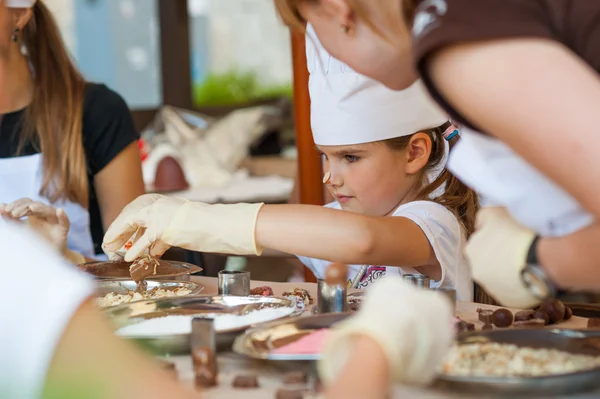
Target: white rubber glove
x=165 y=222
x=51 y=223
x=497 y=253
x=412 y=326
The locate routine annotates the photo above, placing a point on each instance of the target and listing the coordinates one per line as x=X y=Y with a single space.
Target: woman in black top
x=68 y=149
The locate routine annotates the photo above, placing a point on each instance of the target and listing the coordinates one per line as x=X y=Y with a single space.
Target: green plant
x=234 y=87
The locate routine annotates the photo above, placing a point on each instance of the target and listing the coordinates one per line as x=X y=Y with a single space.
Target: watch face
x=536 y=284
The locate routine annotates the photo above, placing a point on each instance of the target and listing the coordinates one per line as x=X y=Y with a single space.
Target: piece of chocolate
x=485 y=315
x=205 y=367
x=568 y=313
x=524 y=315
x=533 y=323
x=265 y=290
x=169 y=176
x=336 y=274
x=287 y=393
x=205 y=377
x=295 y=377
x=554 y=308
x=593 y=322
x=502 y=318
x=541 y=315
x=245 y=381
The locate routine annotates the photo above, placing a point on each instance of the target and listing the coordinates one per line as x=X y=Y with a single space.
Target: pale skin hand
x=545 y=108
x=367 y=362
x=345 y=237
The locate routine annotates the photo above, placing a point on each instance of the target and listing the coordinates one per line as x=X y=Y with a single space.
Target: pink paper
x=307 y=345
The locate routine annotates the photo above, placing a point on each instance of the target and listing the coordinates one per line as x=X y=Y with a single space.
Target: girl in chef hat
x=384 y=154
x=69 y=160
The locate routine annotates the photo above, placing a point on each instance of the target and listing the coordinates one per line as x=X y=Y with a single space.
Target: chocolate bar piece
x=295 y=377
x=245 y=381
x=205 y=367
x=286 y=393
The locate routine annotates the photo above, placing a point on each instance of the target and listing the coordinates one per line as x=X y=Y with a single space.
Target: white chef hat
x=20 y=3
x=349 y=108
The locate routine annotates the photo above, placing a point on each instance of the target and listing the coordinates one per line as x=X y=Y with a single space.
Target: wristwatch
x=535 y=278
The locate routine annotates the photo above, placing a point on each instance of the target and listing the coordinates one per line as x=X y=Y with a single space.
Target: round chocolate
x=524 y=315
x=502 y=318
x=336 y=274
x=554 y=308
x=568 y=313
x=169 y=176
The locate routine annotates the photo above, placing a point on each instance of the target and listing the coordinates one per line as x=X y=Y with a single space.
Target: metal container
x=331 y=298
x=234 y=283
x=419 y=280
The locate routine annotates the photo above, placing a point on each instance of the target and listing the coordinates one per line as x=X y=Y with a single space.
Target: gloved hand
x=53 y=224
x=413 y=327
x=497 y=253
x=165 y=222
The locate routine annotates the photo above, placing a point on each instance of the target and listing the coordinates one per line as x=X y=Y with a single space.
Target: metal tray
x=123 y=287
x=119 y=270
x=258 y=343
x=574 y=341
x=130 y=313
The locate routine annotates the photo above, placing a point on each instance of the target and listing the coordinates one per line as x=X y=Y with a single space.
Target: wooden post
x=175 y=53
x=310 y=169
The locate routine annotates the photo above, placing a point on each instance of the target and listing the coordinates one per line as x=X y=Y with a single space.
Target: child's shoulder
x=428 y=212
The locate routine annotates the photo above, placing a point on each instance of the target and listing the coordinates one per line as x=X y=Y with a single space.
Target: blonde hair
x=54 y=119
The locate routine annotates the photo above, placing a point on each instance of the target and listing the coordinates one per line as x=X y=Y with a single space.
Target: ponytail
x=54 y=119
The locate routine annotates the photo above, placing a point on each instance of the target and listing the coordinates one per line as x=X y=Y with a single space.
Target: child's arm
x=341 y=236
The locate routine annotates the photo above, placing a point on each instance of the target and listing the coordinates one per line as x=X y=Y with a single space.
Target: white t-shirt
x=446 y=236
x=39 y=295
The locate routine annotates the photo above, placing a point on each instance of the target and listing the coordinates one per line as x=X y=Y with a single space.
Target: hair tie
x=450 y=132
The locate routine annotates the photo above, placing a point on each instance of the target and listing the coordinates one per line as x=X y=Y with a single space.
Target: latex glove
x=162 y=222
x=412 y=326
x=53 y=224
x=497 y=253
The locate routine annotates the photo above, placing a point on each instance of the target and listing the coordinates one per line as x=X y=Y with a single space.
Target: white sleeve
x=446 y=236
x=39 y=295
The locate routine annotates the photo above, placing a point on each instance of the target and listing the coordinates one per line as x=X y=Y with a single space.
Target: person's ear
x=21 y=17
x=341 y=11
x=417 y=153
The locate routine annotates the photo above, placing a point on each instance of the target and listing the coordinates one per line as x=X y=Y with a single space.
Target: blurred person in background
x=69 y=160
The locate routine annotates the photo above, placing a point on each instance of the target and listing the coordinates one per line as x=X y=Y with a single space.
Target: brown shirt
x=440 y=23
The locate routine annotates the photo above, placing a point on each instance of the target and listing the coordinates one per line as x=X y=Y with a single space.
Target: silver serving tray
x=259 y=342
x=119 y=270
x=177 y=344
x=574 y=341
x=123 y=287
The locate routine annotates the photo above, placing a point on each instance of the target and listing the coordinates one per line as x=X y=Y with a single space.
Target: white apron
x=21 y=177
x=503 y=178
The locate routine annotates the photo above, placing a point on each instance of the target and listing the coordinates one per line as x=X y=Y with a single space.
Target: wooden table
x=270 y=374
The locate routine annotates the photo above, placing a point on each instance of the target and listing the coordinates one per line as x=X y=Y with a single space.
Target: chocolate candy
x=541 y=315
x=502 y=318
x=554 y=308
x=485 y=315
x=295 y=377
x=568 y=313
x=524 y=315
x=169 y=176
x=245 y=381
x=286 y=393
x=533 y=323
x=593 y=322
x=205 y=367
x=336 y=274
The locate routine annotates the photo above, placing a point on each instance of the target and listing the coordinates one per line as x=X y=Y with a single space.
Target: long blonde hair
x=53 y=121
